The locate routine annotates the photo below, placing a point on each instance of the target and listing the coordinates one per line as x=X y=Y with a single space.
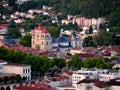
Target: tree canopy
x=26 y=40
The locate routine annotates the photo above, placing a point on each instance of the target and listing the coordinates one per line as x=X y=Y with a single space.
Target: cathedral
x=42 y=40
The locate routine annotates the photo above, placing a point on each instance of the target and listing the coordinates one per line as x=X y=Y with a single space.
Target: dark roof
x=62 y=39
x=60 y=46
x=54 y=40
x=9 y=41
x=117 y=61
x=100 y=84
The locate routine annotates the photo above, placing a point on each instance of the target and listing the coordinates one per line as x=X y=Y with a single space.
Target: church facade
x=42 y=40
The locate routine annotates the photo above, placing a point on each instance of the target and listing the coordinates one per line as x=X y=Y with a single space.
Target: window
x=38 y=37
x=42 y=43
x=33 y=36
x=88 y=88
x=26 y=70
x=42 y=36
x=23 y=70
x=47 y=43
x=47 y=37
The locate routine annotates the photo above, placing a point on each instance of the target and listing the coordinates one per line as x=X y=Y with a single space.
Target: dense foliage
x=26 y=40
x=39 y=64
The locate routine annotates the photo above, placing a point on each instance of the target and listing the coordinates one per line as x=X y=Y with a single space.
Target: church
x=42 y=40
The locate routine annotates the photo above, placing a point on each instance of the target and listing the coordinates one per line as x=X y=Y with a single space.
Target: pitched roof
x=40 y=28
x=117 y=61
x=36 y=86
x=3 y=26
x=100 y=84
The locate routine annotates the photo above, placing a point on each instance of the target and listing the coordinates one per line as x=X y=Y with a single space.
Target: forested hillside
x=90 y=8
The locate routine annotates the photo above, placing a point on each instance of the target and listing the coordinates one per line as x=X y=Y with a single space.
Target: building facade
x=21 y=69
x=41 y=39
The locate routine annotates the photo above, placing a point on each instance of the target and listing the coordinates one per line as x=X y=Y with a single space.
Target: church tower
x=41 y=39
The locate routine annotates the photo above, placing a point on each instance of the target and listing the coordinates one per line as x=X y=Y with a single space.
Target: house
x=22 y=69
x=74 y=51
x=104 y=75
x=34 y=86
x=20 y=20
x=109 y=75
x=83 y=74
x=93 y=84
x=61 y=80
x=3 y=30
x=2 y=62
x=116 y=63
x=65 y=21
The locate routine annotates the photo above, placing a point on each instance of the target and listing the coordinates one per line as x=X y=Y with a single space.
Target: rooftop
x=17 y=65
x=100 y=84
x=40 y=28
x=36 y=86
x=3 y=26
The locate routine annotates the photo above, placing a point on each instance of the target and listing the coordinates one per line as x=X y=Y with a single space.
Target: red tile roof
x=36 y=86
x=100 y=84
x=42 y=29
x=86 y=55
x=3 y=26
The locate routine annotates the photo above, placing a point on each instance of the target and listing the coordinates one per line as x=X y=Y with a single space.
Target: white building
x=74 y=51
x=104 y=75
x=61 y=80
x=21 y=69
x=108 y=76
x=92 y=84
x=3 y=30
x=83 y=74
x=2 y=62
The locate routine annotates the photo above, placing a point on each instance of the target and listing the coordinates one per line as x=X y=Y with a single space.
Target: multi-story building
x=42 y=40
x=92 y=84
x=21 y=69
x=109 y=76
x=2 y=62
x=85 y=23
x=104 y=75
x=3 y=30
x=83 y=74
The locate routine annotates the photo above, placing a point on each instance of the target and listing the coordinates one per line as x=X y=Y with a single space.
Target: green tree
x=26 y=40
x=13 y=33
x=94 y=63
x=59 y=62
x=75 y=63
x=8 y=88
x=54 y=31
x=2 y=88
x=6 y=79
x=18 y=78
x=12 y=79
x=88 y=41
x=90 y=29
x=104 y=38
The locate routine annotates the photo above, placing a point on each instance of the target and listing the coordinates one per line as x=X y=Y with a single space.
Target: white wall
x=23 y=71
